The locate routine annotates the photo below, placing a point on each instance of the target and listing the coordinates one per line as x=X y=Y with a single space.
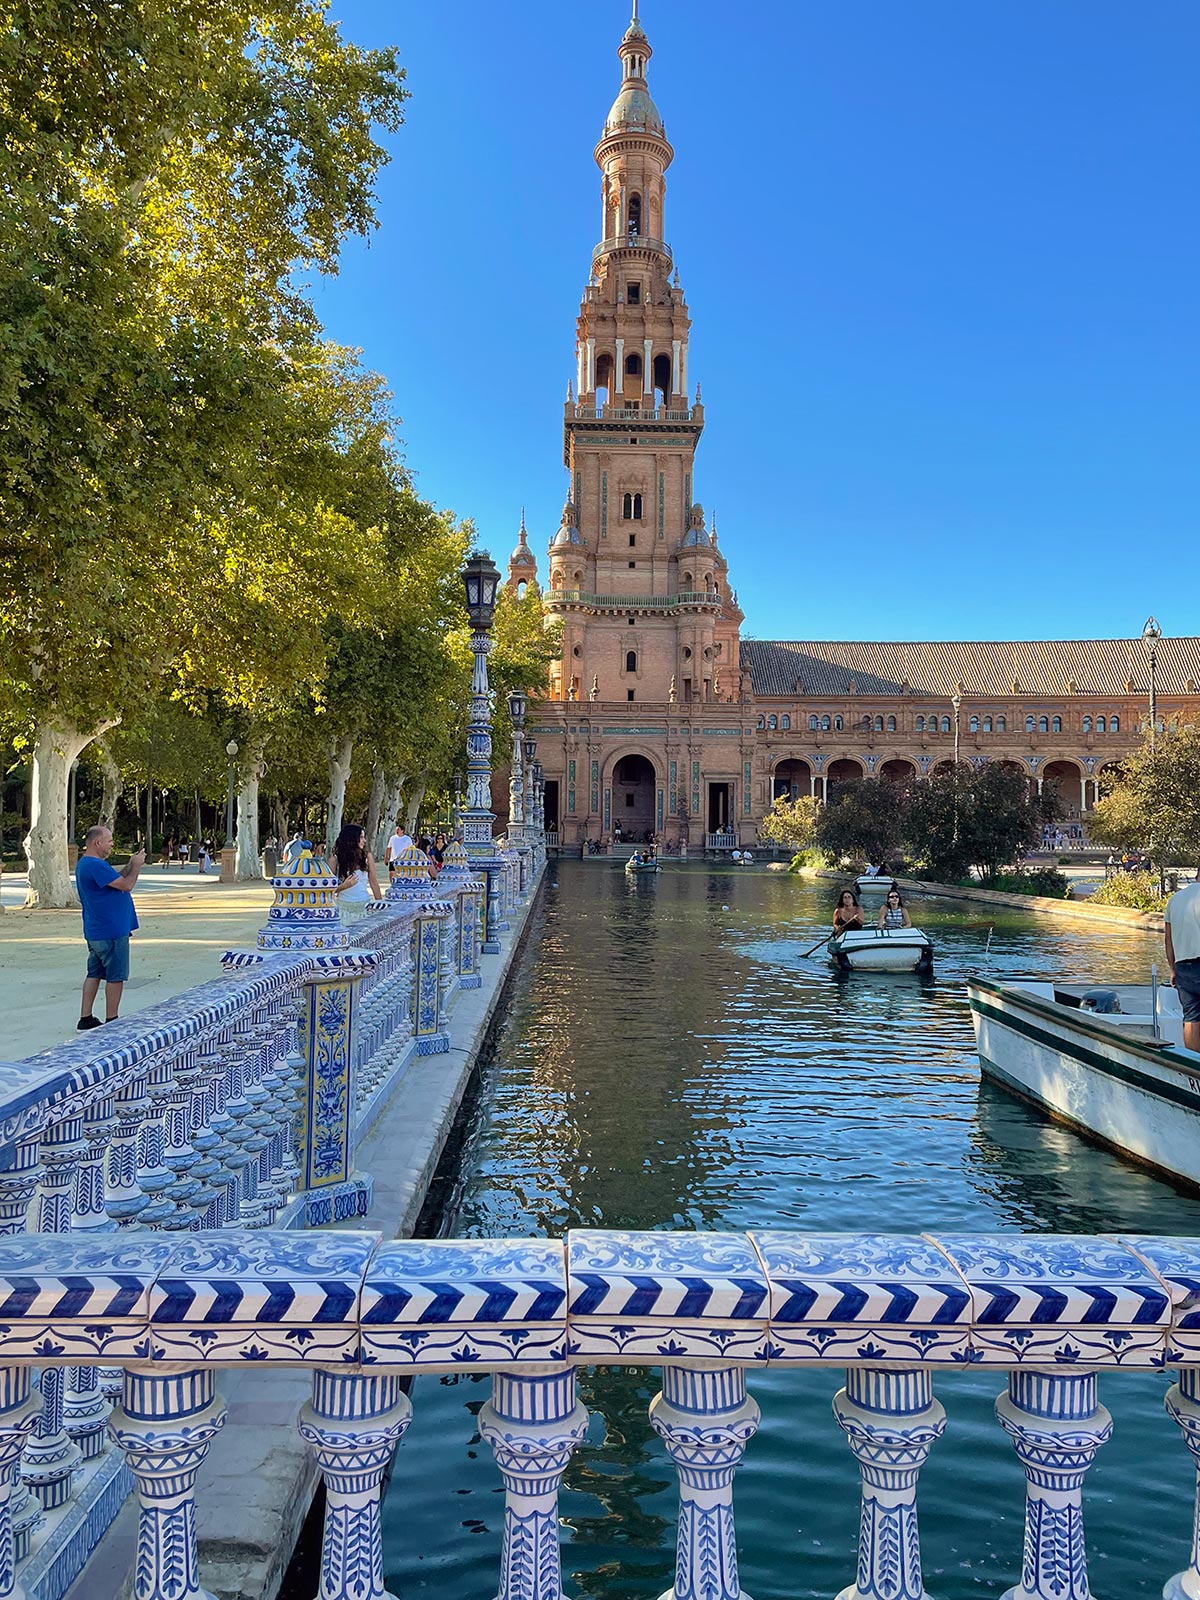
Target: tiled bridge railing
x=1053 y=1313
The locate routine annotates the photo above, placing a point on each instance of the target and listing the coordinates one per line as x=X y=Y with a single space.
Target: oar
x=815 y=948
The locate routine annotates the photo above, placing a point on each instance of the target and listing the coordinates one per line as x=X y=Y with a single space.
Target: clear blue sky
x=943 y=263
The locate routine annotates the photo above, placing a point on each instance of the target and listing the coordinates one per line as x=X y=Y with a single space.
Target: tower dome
x=633 y=110
x=568 y=532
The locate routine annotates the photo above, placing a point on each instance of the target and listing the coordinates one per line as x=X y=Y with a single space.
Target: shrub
x=1040 y=880
x=1136 y=890
x=809 y=858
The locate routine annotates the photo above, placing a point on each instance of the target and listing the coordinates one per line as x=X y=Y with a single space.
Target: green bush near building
x=1137 y=891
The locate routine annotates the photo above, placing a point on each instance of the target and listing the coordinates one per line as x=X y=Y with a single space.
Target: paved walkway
x=187 y=922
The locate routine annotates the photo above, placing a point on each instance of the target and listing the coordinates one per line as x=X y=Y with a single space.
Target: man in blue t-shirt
x=106 y=896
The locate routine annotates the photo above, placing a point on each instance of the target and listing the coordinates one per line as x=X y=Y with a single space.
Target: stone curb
x=258 y=1482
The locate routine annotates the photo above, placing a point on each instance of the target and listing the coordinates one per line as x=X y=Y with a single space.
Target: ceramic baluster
x=890 y=1419
x=164 y=1425
x=533 y=1423
x=206 y=1202
x=18 y=1184
x=154 y=1176
x=245 y=1139
x=706 y=1419
x=353 y=1425
x=19 y=1411
x=1057 y=1425
x=257 y=1204
x=1183 y=1404
x=124 y=1200
x=85 y=1401
x=51 y=1456
x=179 y=1154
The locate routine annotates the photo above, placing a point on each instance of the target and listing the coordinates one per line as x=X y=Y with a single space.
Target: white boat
x=882 y=950
x=1107 y=1060
x=868 y=885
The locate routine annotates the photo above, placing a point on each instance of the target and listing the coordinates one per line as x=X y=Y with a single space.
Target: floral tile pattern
x=668 y=1295
x=69 y=1295
x=1176 y=1264
x=1060 y=1299
x=447 y=1302
x=260 y=1296
x=861 y=1297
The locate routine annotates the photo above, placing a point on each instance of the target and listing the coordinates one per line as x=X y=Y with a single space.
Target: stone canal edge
x=255 y=1489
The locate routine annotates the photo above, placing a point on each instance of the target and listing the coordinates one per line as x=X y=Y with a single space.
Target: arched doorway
x=843 y=770
x=791 y=779
x=633 y=786
x=898 y=770
x=1062 y=787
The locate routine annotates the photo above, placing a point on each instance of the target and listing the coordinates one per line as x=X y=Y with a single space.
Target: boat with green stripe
x=1108 y=1060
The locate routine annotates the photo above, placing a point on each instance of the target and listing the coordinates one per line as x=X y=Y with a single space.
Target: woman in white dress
x=357 y=883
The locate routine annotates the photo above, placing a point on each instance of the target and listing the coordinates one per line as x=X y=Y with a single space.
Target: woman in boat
x=848 y=913
x=892 y=914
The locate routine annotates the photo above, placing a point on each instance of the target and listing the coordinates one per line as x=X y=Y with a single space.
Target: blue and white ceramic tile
x=260 y=1297
x=859 y=1297
x=452 y=1302
x=702 y=1295
x=69 y=1296
x=1176 y=1264
x=1059 y=1299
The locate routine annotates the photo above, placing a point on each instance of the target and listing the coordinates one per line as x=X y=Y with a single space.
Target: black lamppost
x=516 y=779
x=1151 y=634
x=956 y=702
x=481 y=579
x=532 y=831
x=231 y=750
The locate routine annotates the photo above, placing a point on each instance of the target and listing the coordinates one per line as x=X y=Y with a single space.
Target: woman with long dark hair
x=357 y=883
x=848 y=912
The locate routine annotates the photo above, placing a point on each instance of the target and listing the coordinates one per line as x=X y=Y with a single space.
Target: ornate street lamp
x=956 y=702
x=481 y=579
x=1151 y=634
x=539 y=797
x=231 y=750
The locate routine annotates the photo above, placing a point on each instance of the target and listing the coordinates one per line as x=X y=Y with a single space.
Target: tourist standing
x=357 y=883
x=400 y=841
x=109 y=917
x=1182 y=918
x=185 y=854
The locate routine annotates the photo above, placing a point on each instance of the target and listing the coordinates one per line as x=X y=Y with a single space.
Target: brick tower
x=635 y=574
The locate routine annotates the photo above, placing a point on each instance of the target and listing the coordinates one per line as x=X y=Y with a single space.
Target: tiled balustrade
x=238 y=1105
x=1059 y=1317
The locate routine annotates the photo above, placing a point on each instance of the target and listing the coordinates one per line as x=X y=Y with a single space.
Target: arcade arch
x=792 y=779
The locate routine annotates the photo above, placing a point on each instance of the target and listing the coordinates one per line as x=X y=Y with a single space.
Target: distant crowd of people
x=180 y=852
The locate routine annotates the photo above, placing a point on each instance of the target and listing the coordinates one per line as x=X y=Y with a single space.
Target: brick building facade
x=660 y=719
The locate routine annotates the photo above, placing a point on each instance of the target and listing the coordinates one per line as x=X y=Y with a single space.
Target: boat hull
x=882 y=950
x=871 y=887
x=1138 y=1097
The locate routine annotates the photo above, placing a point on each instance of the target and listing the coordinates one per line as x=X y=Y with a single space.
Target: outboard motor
x=1103 y=1001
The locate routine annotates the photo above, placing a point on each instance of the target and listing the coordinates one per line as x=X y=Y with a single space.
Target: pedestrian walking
x=185 y=853
x=168 y=850
x=205 y=857
x=109 y=917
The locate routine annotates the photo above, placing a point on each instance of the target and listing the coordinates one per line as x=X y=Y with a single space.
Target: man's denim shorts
x=109 y=959
x=1187 y=986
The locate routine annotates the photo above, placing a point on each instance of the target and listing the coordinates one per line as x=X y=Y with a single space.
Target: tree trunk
x=57 y=745
x=415 y=801
x=340 y=751
x=112 y=785
x=375 y=804
x=250 y=774
x=389 y=811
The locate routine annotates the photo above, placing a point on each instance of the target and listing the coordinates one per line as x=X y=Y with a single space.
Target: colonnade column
x=1183 y=1404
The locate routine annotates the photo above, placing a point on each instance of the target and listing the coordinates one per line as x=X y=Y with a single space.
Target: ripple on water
x=670 y=1060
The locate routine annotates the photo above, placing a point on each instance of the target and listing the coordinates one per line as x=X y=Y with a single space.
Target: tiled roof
x=937 y=667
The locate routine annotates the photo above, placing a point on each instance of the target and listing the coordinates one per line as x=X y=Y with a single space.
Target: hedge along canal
x=669 y=1060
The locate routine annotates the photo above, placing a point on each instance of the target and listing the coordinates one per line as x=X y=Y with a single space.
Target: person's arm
x=376 y=892
x=128 y=875
x=907 y=918
x=1170 y=953
x=345 y=883
x=882 y=915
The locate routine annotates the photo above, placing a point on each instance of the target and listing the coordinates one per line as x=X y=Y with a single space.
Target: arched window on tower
x=762 y=721
x=772 y=722
x=785 y=723
x=814 y=722
x=891 y=724
x=878 y=724
x=824 y=724
x=633 y=364
x=1100 y=725
x=837 y=724
x=1001 y=724
x=1043 y=724
x=987 y=724
x=920 y=724
x=604 y=379
x=631 y=508
x=631 y=661
x=1087 y=724
x=522 y=587
x=662 y=379
x=974 y=725
x=1114 y=724
x=1056 y=725
x=635 y=215
x=1029 y=724
x=945 y=724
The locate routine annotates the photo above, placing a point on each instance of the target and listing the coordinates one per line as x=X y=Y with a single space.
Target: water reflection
x=671 y=1060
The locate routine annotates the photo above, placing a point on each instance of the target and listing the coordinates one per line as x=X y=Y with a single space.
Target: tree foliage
x=790 y=822
x=864 y=818
x=1154 y=805
x=965 y=817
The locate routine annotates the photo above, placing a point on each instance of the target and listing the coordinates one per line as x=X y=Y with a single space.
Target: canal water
x=672 y=1060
